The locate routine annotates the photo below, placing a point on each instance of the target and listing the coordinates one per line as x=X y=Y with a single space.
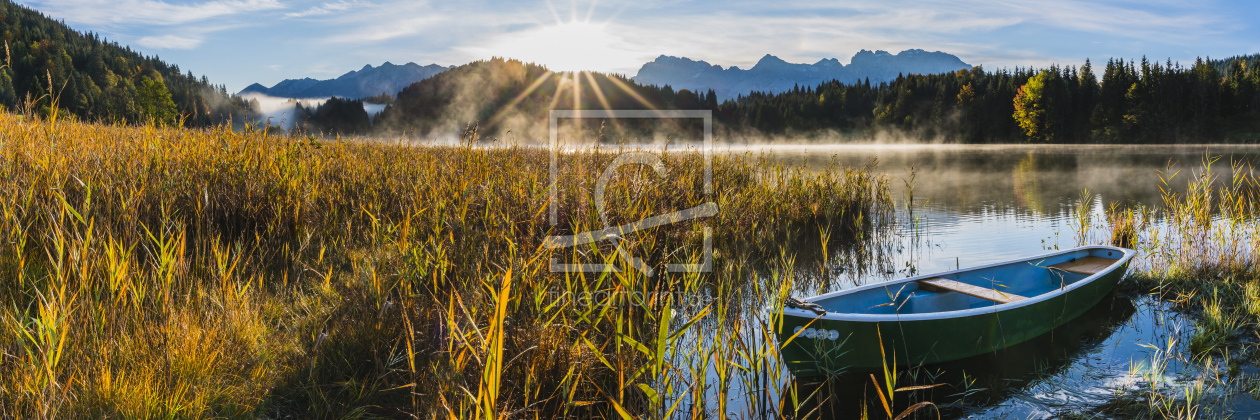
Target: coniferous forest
x=1125 y=101
x=1130 y=102
x=334 y=116
x=93 y=79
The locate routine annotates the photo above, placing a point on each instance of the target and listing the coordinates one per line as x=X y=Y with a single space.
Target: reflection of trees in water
x=975 y=178
x=1027 y=187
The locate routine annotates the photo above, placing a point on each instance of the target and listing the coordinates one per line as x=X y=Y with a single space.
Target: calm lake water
x=982 y=204
x=975 y=205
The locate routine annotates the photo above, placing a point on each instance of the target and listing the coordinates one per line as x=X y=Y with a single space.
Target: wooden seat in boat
x=1085 y=265
x=937 y=284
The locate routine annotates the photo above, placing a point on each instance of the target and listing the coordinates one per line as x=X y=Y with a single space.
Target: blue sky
x=238 y=42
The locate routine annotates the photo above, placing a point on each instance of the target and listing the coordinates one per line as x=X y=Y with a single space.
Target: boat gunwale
x=1128 y=255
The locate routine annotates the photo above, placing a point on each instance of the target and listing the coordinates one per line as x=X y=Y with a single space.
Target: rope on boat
x=795 y=303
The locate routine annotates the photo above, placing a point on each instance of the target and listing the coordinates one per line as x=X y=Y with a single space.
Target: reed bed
x=1201 y=247
x=1200 y=250
x=174 y=273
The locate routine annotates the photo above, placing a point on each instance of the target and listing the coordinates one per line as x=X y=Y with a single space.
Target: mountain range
x=773 y=75
x=368 y=81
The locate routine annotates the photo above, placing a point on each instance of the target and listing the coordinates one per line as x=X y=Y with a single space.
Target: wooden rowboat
x=947 y=316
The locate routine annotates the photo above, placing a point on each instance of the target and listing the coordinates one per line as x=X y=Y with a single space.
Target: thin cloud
x=170 y=42
x=377 y=33
x=326 y=9
x=1119 y=21
x=146 y=12
x=371 y=23
x=803 y=30
x=806 y=32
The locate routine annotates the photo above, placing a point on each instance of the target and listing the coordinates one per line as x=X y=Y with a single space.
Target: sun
x=568 y=46
x=571 y=51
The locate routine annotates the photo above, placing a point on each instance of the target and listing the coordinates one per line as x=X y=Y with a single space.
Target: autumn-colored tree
x=966 y=95
x=1031 y=108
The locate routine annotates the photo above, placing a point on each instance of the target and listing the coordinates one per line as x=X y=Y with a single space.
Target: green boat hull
x=829 y=345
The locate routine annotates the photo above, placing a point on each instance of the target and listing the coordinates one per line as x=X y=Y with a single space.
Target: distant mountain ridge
x=773 y=75
x=367 y=81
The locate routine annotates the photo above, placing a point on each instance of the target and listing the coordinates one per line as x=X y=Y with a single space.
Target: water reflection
x=1073 y=367
x=997 y=376
x=984 y=204
x=1031 y=178
x=987 y=204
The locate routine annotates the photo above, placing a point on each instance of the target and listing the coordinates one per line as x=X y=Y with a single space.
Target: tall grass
x=1199 y=249
x=159 y=272
x=1205 y=234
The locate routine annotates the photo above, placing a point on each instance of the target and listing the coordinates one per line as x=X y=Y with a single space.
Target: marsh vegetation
x=169 y=272
x=158 y=272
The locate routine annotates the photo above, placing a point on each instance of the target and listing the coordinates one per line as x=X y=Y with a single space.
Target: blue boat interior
x=1014 y=281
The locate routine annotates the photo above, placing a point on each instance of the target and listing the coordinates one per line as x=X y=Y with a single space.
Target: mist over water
x=1031 y=178
x=278 y=111
x=977 y=205
x=980 y=204
x=373 y=110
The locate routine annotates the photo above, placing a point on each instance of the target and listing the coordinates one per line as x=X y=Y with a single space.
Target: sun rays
x=571 y=47
x=568 y=89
